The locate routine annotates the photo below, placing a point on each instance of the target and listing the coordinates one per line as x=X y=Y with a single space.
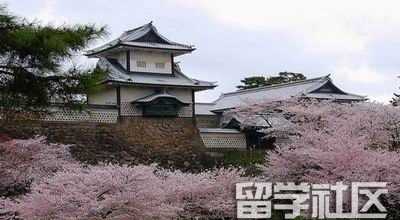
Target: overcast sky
x=356 y=41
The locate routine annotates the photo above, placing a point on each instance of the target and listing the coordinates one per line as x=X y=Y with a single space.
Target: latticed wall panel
x=127 y=109
x=224 y=140
x=100 y=116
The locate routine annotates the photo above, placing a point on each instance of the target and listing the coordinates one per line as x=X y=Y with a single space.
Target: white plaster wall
x=184 y=95
x=105 y=96
x=129 y=94
x=151 y=58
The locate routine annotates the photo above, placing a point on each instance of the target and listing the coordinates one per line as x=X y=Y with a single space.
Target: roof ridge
x=132 y=35
x=137 y=28
x=326 y=77
x=150 y=27
x=166 y=39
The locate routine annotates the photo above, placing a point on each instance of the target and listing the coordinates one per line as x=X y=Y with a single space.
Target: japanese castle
x=143 y=78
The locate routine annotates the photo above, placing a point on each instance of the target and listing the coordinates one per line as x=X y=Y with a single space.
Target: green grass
x=247 y=160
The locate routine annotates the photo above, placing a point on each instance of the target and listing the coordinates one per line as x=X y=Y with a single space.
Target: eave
x=175 y=52
x=197 y=88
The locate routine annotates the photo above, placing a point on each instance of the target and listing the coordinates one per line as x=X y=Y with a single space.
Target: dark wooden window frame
x=162 y=107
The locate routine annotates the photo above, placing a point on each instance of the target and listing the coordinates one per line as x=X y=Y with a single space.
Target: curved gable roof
x=146 y=36
x=156 y=96
x=305 y=88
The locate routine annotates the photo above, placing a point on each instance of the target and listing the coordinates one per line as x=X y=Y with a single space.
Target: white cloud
x=383 y=98
x=328 y=26
x=327 y=36
x=359 y=74
x=48 y=13
x=365 y=80
x=343 y=34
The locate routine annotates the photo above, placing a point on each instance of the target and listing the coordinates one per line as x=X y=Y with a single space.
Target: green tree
x=32 y=75
x=252 y=82
x=259 y=81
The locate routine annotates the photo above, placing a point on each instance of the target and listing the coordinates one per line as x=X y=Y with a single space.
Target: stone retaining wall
x=132 y=139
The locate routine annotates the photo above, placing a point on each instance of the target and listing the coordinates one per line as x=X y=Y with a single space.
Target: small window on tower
x=160 y=65
x=141 y=64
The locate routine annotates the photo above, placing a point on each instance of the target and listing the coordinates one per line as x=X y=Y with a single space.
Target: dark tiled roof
x=304 y=88
x=155 y=96
x=117 y=74
x=145 y=36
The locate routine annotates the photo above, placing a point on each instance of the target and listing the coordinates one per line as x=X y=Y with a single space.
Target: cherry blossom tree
x=208 y=194
x=58 y=187
x=339 y=142
x=23 y=161
x=121 y=192
x=330 y=142
x=109 y=192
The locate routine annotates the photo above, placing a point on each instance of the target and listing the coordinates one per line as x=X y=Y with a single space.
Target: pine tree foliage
x=31 y=63
x=259 y=81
